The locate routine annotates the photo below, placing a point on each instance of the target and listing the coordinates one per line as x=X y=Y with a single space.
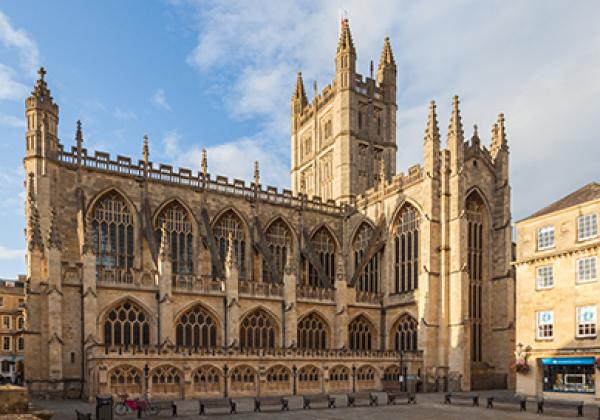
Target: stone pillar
x=232 y=294
x=55 y=314
x=343 y=295
x=165 y=288
x=289 y=298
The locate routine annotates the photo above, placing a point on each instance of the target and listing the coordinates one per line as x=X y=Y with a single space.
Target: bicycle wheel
x=120 y=409
x=152 y=409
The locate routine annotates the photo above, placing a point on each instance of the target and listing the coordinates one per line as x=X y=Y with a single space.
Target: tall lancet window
x=475 y=211
x=369 y=278
x=112 y=228
x=279 y=242
x=324 y=246
x=230 y=222
x=406 y=250
x=177 y=221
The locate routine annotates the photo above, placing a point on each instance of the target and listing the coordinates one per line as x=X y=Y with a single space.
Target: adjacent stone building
x=557 y=298
x=143 y=277
x=12 y=327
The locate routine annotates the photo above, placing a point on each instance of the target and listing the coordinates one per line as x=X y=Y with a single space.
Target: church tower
x=344 y=141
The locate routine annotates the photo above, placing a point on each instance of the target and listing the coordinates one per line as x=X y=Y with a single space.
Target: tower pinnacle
x=455 y=129
x=345 y=43
x=432 y=132
x=299 y=92
x=387 y=57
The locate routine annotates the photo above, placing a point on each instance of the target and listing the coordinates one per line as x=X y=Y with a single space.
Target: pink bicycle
x=128 y=406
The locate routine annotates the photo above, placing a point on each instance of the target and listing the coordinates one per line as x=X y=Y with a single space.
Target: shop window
x=572 y=375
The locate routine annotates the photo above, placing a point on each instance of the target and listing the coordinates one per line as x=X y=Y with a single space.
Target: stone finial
x=230 y=256
x=455 y=128
x=340 y=270
x=34 y=232
x=204 y=163
x=475 y=137
x=501 y=130
x=432 y=132
x=53 y=235
x=299 y=92
x=387 y=57
x=165 y=246
x=89 y=240
x=79 y=135
x=41 y=90
x=256 y=174
x=30 y=187
x=345 y=43
x=146 y=150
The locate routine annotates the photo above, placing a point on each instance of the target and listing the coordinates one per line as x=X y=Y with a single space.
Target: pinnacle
x=299 y=92
x=256 y=173
x=34 y=233
x=165 y=250
x=146 y=150
x=387 y=57
x=79 y=133
x=455 y=128
x=41 y=90
x=53 y=235
x=345 y=43
x=204 y=163
x=432 y=132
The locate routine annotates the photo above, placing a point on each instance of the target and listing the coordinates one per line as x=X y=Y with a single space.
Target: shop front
x=569 y=374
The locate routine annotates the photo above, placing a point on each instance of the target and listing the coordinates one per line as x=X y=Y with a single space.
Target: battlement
x=399 y=182
x=123 y=165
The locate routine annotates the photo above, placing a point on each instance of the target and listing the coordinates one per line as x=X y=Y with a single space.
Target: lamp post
x=146 y=373
x=225 y=370
x=353 y=378
x=401 y=376
x=294 y=374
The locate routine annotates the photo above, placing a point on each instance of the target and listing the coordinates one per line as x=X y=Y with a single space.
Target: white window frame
x=593 y=269
x=544 y=233
x=538 y=324
x=6 y=339
x=591 y=225
x=592 y=325
x=539 y=276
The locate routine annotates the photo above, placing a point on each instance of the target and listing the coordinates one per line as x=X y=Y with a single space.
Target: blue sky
x=219 y=75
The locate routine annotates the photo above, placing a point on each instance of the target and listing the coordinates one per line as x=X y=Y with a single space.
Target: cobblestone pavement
x=429 y=406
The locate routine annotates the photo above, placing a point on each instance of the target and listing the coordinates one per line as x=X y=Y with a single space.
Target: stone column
x=289 y=298
x=165 y=289
x=90 y=314
x=232 y=294
x=55 y=313
x=343 y=296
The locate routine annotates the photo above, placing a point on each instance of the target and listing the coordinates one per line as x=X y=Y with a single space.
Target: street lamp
x=294 y=373
x=146 y=372
x=401 y=376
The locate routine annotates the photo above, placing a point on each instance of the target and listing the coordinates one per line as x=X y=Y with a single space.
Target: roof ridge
x=588 y=192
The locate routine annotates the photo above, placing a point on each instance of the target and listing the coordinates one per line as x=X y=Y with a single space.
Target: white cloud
x=124 y=115
x=11 y=254
x=19 y=39
x=10 y=88
x=535 y=61
x=12 y=121
x=160 y=100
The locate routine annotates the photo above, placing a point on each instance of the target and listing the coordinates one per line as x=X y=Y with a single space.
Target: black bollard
x=139 y=412
x=174 y=409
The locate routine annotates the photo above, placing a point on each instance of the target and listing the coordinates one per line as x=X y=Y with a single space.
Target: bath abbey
x=148 y=279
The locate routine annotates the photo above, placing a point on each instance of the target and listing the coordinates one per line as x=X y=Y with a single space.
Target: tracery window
x=243 y=378
x=112 y=230
x=196 y=328
x=125 y=380
x=228 y=223
x=369 y=279
x=312 y=333
x=278 y=378
x=126 y=325
x=365 y=377
x=392 y=374
x=324 y=246
x=279 y=242
x=166 y=379
x=257 y=331
x=339 y=377
x=406 y=249
x=309 y=378
x=360 y=334
x=475 y=247
x=207 y=379
x=405 y=334
x=178 y=224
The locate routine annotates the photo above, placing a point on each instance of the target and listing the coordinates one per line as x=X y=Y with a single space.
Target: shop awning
x=568 y=360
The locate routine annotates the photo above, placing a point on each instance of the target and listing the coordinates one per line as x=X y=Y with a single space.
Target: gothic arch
x=166 y=379
x=404 y=333
x=205 y=305
x=207 y=379
x=278 y=378
x=406 y=245
x=313 y=332
x=310 y=378
x=366 y=377
x=259 y=329
x=166 y=203
x=181 y=229
x=339 y=378
x=359 y=223
x=243 y=378
x=283 y=218
x=280 y=241
x=197 y=327
x=323 y=225
x=362 y=333
x=370 y=277
x=476 y=191
x=240 y=216
x=327 y=250
x=126 y=324
x=112 y=189
x=125 y=379
x=116 y=302
x=405 y=202
x=241 y=237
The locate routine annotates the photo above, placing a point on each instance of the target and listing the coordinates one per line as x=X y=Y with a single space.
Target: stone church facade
x=144 y=278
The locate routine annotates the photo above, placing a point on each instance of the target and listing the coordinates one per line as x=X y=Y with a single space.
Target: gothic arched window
x=258 y=331
x=324 y=246
x=278 y=378
x=365 y=377
x=475 y=211
x=229 y=222
x=196 y=328
x=207 y=379
x=309 y=378
x=126 y=325
x=112 y=229
x=279 y=242
x=312 y=333
x=166 y=379
x=369 y=278
x=339 y=377
x=178 y=224
x=406 y=250
x=360 y=334
x=125 y=379
x=405 y=334
x=243 y=378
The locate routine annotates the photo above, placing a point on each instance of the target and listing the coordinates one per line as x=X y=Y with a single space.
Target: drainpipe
x=158 y=320
x=283 y=323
